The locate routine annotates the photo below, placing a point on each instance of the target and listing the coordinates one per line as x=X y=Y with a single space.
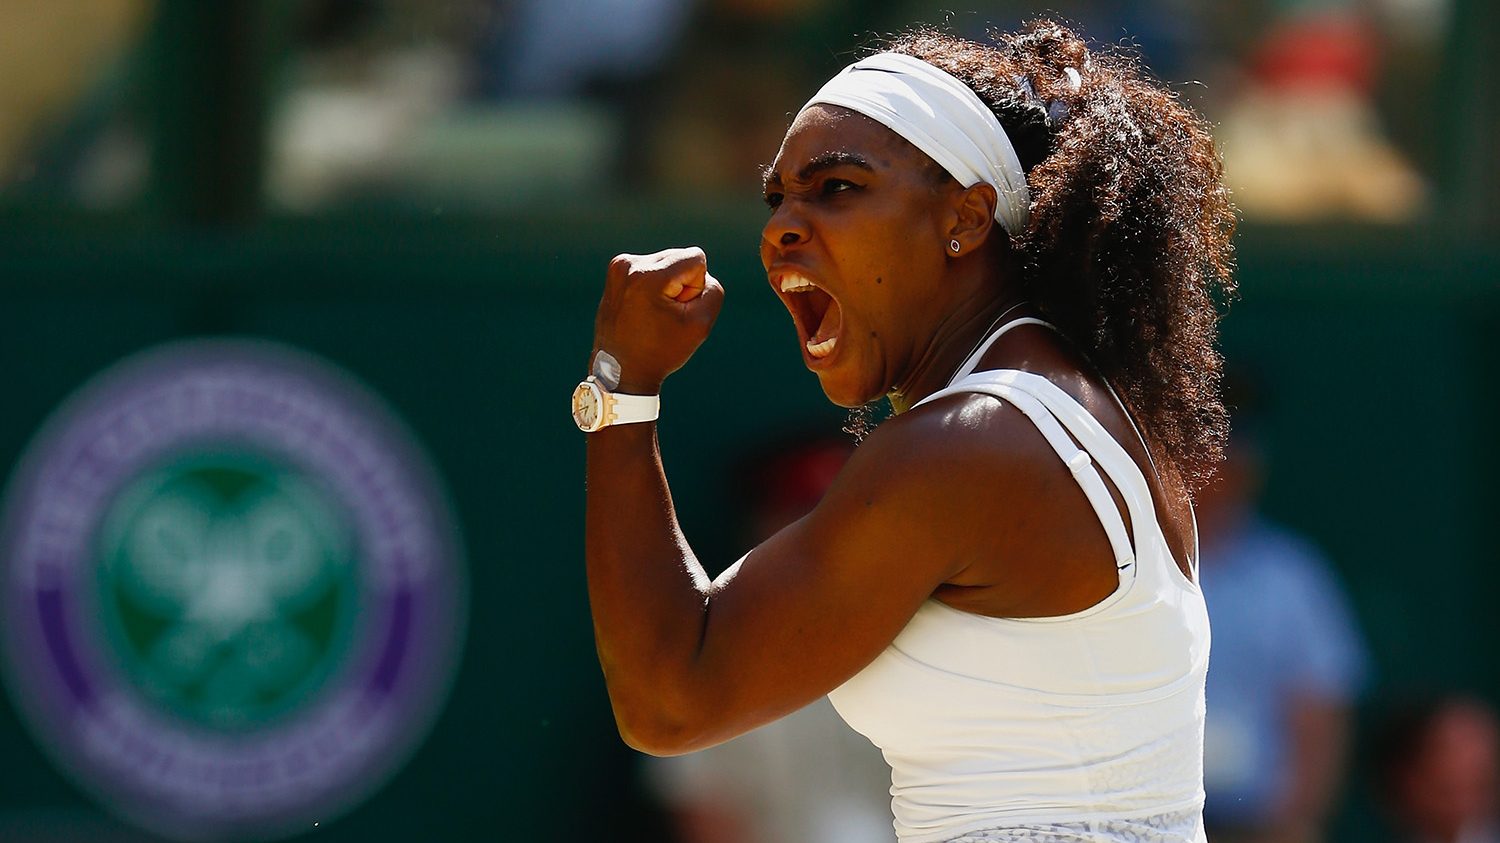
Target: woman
x=1018 y=245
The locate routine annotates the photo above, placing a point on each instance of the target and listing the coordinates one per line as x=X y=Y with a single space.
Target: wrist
x=639 y=386
x=608 y=397
x=616 y=378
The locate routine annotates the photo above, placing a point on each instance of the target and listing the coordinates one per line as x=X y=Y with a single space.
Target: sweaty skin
x=857 y=212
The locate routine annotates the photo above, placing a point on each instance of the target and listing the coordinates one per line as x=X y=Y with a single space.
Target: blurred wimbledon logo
x=228 y=586
x=231 y=598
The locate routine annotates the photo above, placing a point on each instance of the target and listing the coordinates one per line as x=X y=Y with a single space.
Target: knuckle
x=690 y=258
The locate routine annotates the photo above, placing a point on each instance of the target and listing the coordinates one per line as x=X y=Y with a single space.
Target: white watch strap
x=629 y=409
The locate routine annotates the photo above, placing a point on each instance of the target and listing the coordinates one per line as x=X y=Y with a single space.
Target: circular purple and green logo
x=233 y=597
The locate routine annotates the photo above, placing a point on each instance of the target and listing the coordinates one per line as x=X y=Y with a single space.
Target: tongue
x=829 y=327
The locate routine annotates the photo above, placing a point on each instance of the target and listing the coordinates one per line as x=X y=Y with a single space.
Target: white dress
x=1085 y=727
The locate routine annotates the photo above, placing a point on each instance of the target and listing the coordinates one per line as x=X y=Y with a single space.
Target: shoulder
x=944 y=470
x=967 y=436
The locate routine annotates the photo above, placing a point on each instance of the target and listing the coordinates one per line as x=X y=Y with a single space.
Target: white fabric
x=941 y=116
x=1023 y=729
x=1162 y=828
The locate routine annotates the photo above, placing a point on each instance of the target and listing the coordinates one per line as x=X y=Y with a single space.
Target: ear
x=973 y=219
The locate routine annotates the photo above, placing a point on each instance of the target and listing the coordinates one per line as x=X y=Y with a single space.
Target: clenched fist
x=657 y=309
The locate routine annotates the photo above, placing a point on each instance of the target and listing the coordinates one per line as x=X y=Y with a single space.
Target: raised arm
x=691 y=663
x=647 y=591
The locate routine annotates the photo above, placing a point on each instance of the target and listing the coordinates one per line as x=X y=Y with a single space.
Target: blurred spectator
x=505 y=102
x=1287 y=662
x=1169 y=35
x=1303 y=140
x=807 y=778
x=1437 y=767
x=615 y=53
x=365 y=83
x=1296 y=84
x=486 y=103
x=561 y=48
x=736 y=83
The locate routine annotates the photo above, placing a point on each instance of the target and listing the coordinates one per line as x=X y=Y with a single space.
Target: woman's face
x=855 y=248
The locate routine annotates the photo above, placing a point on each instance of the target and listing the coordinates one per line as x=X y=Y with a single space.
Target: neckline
x=972 y=361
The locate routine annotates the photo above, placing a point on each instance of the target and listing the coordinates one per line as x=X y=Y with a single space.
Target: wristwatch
x=596 y=405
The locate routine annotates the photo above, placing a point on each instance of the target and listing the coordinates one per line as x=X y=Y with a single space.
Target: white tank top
x=1084 y=727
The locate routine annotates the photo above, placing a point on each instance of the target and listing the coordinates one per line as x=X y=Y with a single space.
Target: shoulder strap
x=973 y=359
x=972 y=362
x=1116 y=462
x=1078 y=460
x=1049 y=401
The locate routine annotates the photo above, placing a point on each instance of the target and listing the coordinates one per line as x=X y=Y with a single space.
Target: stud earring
x=953 y=244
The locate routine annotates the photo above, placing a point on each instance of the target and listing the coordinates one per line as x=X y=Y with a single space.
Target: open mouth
x=817 y=315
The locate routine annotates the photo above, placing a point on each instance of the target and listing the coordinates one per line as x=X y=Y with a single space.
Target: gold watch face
x=586 y=406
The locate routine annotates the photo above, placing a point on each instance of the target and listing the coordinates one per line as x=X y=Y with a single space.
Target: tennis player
x=1018 y=244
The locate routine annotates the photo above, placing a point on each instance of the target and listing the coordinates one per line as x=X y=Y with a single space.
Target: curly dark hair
x=1128 y=243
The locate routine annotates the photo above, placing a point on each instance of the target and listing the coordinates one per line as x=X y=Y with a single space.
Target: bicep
x=816 y=602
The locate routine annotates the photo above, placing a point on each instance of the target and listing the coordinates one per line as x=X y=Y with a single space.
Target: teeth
x=796 y=283
x=821 y=349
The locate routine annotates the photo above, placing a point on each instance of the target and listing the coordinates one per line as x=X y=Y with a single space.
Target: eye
x=832 y=186
x=773 y=199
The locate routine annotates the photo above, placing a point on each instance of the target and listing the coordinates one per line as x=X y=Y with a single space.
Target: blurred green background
x=376 y=183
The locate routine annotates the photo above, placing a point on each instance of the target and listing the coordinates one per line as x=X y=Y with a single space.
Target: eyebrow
x=818 y=164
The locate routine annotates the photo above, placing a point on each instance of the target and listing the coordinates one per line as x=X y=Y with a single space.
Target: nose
x=786 y=228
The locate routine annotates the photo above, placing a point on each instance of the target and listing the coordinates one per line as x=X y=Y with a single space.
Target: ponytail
x=1128 y=243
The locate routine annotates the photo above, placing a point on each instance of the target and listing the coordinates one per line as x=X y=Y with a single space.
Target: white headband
x=941 y=116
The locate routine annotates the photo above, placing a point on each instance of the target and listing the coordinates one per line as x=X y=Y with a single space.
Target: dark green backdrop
x=1380 y=349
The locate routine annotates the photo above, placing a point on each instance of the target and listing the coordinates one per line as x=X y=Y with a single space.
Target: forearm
x=646 y=589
